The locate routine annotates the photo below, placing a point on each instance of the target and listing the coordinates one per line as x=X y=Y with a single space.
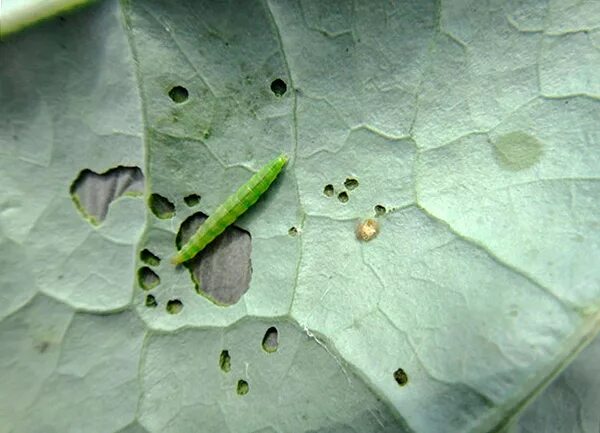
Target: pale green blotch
x=517 y=150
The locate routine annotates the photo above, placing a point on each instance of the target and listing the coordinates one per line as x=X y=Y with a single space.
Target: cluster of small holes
x=192 y=200
x=270 y=343
x=350 y=184
x=400 y=377
x=174 y=306
x=179 y=94
x=161 y=206
x=278 y=87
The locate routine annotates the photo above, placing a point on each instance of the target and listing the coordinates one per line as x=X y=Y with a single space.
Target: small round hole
x=178 y=94
x=147 y=278
x=270 y=341
x=278 y=87
x=343 y=197
x=351 y=183
x=328 y=190
x=149 y=258
x=400 y=377
x=192 y=199
x=379 y=210
x=225 y=361
x=293 y=231
x=151 y=301
x=242 y=387
x=161 y=206
x=174 y=306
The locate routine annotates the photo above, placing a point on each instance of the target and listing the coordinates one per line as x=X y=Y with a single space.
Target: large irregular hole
x=270 y=341
x=161 y=206
x=400 y=377
x=225 y=361
x=92 y=193
x=149 y=258
x=242 y=387
x=147 y=278
x=222 y=271
x=178 y=94
x=278 y=87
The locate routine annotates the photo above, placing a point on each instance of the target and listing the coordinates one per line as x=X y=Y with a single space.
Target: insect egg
x=367 y=229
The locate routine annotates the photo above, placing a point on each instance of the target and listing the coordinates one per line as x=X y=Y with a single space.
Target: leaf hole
x=221 y=272
x=400 y=377
x=151 y=301
x=92 y=193
x=278 y=87
x=147 y=278
x=225 y=361
x=192 y=200
x=343 y=197
x=351 y=183
x=178 y=94
x=174 y=306
x=270 y=341
x=242 y=387
x=328 y=190
x=149 y=258
x=161 y=206
x=293 y=231
x=380 y=210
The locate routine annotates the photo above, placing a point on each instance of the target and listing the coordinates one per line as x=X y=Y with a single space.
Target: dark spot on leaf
x=161 y=207
x=343 y=197
x=178 y=94
x=43 y=346
x=242 y=387
x=278 y=87
x=379 y=210
x=351 y=183
x=151 y=301
x=174 y=306
x=192 y=199
x=270 y=341
x=149 y=258
x=400 y=377
x=147 y=278
x=328 y=190
x=225 y=361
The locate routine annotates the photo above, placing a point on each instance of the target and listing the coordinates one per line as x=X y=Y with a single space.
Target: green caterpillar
x=231 y=209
